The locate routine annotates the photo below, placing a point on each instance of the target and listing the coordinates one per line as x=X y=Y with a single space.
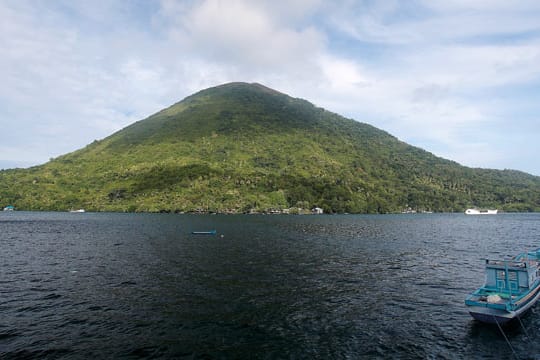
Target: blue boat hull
x=491 y=318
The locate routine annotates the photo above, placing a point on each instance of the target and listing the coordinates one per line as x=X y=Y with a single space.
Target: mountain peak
x=245 y=85
x=236 y=88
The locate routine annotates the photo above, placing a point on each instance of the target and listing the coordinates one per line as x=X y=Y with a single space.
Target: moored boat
x=210 y=232
x=511 y=288
x=481 y=212
x=9 y=208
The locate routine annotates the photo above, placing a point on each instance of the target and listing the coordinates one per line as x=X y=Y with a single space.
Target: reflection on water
x=142 y=286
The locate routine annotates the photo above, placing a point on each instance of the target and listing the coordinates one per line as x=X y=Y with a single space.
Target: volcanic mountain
x=244 y=147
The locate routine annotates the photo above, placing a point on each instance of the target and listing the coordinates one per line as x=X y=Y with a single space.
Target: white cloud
x=243 y=35
x=342 y=76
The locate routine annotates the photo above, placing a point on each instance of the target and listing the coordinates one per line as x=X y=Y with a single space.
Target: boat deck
x=490 y=295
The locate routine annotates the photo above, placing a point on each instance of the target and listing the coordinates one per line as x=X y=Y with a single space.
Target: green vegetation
x=243 y=147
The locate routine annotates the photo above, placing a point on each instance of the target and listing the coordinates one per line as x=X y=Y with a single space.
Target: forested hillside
x=244 y=148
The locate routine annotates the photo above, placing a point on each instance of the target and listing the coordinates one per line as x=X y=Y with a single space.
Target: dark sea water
x=141 y=286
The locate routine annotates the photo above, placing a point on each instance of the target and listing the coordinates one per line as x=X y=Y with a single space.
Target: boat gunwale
x=519 y=300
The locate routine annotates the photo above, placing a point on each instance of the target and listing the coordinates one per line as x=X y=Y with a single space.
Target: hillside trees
x=242 y=148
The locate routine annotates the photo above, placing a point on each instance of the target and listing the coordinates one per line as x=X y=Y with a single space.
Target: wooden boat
x=511 y=288
x=210 y=232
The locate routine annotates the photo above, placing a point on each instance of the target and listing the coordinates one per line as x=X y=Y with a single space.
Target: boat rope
x=505 y=338
x=524 y=329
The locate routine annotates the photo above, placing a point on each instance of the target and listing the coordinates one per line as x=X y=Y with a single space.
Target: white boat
x=9 y=208
x=77 y=211
x=481 y=212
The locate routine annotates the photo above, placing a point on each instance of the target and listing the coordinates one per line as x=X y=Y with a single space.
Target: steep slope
x=244 y=147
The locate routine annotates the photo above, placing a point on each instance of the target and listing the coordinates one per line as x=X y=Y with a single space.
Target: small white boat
x=77 y=211
x=9 y=208
x=481 y=212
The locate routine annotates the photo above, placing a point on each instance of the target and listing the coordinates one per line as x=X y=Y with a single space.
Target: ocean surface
x=141 y=286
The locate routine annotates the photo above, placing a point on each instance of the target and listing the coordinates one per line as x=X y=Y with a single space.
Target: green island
x=245 y=148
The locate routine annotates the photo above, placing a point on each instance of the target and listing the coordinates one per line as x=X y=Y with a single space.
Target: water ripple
x=141 y=287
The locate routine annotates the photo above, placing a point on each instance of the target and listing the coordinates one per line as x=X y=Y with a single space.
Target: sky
x=458 y=78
